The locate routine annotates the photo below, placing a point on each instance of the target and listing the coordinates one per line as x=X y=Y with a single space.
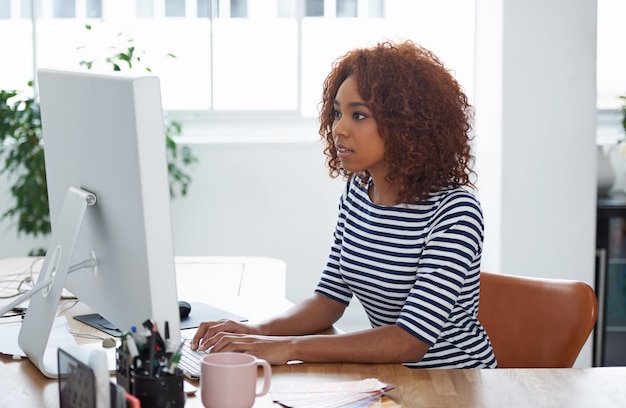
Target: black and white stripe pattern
x=416 y=266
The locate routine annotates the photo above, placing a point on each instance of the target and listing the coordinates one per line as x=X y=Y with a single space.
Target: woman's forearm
x=311 y=315
x=387 y=344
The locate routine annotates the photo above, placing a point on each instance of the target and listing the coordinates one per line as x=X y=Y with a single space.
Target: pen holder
x=123 y=368
x=158 y=391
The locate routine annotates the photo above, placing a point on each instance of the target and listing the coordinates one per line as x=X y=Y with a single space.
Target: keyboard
x=190 y=361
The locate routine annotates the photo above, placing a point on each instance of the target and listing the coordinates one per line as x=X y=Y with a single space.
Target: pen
x=167 y=336
x=151 y=354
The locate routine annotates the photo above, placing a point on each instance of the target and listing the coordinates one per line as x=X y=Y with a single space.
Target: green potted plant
x=23 y=160
x=22 y=152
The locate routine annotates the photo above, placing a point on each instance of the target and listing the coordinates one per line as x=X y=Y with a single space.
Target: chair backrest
x=535 y=322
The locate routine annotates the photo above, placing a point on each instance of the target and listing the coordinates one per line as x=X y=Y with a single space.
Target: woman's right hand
x=205 y=336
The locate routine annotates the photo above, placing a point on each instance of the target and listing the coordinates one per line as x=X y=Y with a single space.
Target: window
x=232 y=56
x=64 y=9
x=611 y=65
x=244 y=56
x=5 y=9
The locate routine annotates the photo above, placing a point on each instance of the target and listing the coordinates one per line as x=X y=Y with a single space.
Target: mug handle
x=267 y=375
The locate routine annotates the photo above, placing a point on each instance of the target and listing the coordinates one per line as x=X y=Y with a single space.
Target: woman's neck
x=382 y=193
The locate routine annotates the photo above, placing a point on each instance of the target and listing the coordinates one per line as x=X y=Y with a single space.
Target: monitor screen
x=103 y=135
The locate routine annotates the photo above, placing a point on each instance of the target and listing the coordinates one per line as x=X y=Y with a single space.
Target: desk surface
x=588 y=387
x=21 y=384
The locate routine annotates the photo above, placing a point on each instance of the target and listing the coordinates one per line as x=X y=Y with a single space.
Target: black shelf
x=610 y=333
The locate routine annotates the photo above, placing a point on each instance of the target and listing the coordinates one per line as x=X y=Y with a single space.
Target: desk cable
x=23 y=295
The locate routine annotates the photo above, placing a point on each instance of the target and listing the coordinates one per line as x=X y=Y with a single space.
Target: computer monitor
x=108 y=190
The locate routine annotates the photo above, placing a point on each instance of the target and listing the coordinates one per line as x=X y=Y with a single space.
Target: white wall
x=536 y=126
x=536 y=123
x=269 y=199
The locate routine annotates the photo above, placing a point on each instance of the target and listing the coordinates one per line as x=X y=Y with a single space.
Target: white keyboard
x=190 y=361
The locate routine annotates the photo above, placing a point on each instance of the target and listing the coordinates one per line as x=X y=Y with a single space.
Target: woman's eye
x=358 y=116
x=336 y=113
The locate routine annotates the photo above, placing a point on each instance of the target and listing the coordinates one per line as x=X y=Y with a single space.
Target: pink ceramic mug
x=229 y=380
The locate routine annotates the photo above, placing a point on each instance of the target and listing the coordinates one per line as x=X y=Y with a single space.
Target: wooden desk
x=22 y=385
x=250 y=286
x=576 y=387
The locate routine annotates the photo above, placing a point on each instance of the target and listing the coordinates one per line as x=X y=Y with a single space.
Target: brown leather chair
x=535 y=322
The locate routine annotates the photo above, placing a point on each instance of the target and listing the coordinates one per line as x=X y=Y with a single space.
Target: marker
x=152 y=327
x=148 y=324
x=140 y=340
x=174 y=360
x=167 y=336
x=132 y=346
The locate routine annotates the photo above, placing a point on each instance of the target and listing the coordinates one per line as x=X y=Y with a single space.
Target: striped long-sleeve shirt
x=416 y=266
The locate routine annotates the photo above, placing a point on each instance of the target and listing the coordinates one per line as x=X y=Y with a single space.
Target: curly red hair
x=422 y=113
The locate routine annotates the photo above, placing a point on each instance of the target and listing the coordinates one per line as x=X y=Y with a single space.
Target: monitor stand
x=42 y=309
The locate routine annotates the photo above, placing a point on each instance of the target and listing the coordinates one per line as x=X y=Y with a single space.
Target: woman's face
x=357 y=139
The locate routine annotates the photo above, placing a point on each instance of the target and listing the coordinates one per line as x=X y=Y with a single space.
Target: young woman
x=409 y=234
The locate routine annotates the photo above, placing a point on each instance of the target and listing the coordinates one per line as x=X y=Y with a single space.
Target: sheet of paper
x=340 y=400
x=10 y=328
x=356 y=394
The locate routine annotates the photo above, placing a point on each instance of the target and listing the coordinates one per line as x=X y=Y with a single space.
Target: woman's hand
x=206 y=335
x=313 y=314
x=274 y=349
x=228 y=335
x=385 y=344
x=274 y=340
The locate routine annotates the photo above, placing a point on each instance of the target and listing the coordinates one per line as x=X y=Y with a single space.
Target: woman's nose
x=339 y=128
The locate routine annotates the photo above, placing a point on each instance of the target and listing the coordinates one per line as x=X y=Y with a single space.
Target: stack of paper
x=353 y=394
x=10 y=329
